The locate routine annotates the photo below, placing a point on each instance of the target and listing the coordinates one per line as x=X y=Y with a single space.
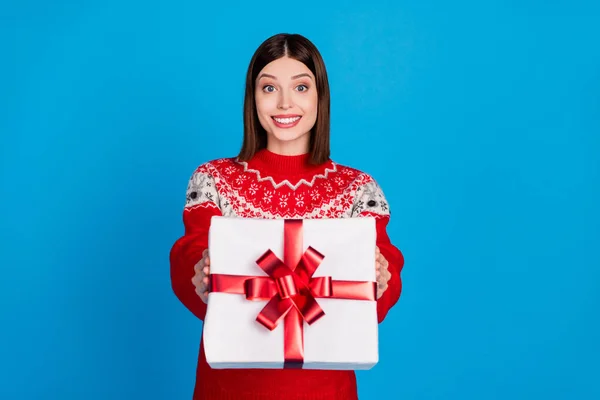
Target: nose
x=285 y=100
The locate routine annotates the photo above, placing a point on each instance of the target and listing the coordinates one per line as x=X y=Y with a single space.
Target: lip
x=285 y=126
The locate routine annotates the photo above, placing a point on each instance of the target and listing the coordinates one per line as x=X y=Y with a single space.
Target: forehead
x=285 y=68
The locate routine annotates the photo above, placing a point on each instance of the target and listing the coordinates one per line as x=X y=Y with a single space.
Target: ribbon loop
x=272 y=314
x=286 y=287
x=310 y=261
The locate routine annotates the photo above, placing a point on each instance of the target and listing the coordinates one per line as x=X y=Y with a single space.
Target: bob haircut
x=301 y=49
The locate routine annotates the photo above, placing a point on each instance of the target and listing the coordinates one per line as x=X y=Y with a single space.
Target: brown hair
x=299 y=48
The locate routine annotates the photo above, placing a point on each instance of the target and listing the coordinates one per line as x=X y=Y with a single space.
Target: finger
x=388 y=272
x=383 y=265
x=201 y=282
x=206 y=271
x=198 y=267
x=382 y=291
x=384 y=273
x=207 y=260
x=387 y=279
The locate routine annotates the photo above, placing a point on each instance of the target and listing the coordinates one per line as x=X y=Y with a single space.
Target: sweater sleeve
x=202 y=203
x=370 y=201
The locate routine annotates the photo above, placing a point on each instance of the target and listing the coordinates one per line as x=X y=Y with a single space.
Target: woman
x=283 y=171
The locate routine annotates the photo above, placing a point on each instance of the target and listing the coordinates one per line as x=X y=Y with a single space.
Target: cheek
x=309 y=105
x=314 y=100
x=262 y=113
x=265 y=105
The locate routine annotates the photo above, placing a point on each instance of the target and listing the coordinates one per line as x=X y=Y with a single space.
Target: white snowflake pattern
x=253 y=189
x=241 y=179
x=283 y=199
x=267 y=196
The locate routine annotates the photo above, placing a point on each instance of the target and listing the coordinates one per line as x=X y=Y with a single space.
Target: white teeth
x=286 y=120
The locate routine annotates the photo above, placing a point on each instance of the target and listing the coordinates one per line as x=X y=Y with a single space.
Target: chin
x=283 y=135
x=291 y=141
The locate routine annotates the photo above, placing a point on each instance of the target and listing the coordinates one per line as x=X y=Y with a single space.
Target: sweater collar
x=284 y=165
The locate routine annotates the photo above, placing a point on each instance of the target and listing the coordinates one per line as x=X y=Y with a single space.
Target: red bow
x=288 y=287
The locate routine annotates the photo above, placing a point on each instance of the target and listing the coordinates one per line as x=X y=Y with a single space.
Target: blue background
x=481 y=120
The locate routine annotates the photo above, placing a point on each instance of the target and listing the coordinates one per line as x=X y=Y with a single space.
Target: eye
x=302 y=88
x=269 y=88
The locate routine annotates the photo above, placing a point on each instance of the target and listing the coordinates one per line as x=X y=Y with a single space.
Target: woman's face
x=286 y=103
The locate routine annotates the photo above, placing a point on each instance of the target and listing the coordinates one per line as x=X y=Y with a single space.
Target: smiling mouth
x=286 y=122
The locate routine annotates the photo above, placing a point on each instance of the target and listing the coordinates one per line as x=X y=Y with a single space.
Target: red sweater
x=275 y=186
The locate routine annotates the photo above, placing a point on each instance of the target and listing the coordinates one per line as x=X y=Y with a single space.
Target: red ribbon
x=291 y=290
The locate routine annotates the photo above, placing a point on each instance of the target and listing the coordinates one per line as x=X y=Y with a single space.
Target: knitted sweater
x=275 y=186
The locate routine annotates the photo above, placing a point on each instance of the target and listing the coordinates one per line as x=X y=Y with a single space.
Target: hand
x=382 y=273
x=200 y=279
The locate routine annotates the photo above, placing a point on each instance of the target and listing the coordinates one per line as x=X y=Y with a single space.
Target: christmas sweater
x=275 y=186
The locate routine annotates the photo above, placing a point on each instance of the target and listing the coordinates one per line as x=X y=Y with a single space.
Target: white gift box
x=345 y=338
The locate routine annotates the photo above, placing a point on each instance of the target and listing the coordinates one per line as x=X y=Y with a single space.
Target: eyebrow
x=293 y=77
